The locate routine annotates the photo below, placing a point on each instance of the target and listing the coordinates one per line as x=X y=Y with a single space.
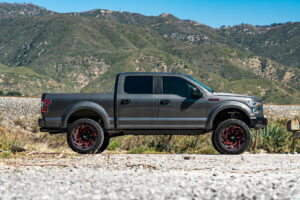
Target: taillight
x=44 y=106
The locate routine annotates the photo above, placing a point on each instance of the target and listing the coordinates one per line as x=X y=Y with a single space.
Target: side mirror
x=196 y=93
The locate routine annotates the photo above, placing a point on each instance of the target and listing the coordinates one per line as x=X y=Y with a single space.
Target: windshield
x=202 y=85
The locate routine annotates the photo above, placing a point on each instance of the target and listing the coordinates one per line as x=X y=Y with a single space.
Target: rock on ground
x=121 y=176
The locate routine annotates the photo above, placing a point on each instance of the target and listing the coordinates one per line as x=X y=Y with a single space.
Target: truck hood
x=220 y=94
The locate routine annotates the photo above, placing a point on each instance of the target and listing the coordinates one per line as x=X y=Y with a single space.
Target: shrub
x=13 y=93
x=1 y=93
x=114 y=145
x=1 y=118
x=35 y=129
x=7 y=140
x=179 y=144
x=20 y=122
x=274 y=139
x=5 y=154
x=139 y=150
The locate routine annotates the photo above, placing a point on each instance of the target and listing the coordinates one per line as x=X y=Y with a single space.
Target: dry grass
x=25 y=133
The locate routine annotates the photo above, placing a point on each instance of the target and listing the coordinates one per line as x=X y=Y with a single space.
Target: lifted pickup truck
x=153 y=104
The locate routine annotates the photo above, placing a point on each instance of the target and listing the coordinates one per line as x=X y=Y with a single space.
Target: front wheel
x=214 y=144
x=232 y=137
x=85 y=136
x=105 y=143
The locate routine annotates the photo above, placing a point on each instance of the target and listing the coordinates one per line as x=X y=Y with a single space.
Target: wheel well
x=231 y=113
x=86 y=113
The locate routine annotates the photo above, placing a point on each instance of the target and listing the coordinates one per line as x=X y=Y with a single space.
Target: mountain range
x=44 y=51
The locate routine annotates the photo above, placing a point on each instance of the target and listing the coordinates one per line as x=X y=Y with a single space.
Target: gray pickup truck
x=153 y=104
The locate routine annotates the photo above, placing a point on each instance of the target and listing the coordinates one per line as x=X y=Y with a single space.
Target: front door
x=136 y=103
x=178 y=109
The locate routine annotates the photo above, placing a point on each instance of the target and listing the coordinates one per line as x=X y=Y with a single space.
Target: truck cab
x=156 y=101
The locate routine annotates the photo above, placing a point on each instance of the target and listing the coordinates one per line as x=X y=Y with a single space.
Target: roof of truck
x=151 y=73
x=167 y=73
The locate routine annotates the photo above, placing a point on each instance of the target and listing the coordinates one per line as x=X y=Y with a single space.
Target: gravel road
x=121 y=176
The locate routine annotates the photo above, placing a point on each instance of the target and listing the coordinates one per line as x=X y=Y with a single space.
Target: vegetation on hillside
x=76 y=52
x=280 y=42
x=8 y=10
x=25 y=81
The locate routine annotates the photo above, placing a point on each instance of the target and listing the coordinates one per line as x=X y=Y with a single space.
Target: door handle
x=165 y=102
x=125 y=101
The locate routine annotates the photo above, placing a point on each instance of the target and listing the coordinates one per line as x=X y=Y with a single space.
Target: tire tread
x=217 y=134
x=99 y=139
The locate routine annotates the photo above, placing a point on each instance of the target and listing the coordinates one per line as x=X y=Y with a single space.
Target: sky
x=214 y=13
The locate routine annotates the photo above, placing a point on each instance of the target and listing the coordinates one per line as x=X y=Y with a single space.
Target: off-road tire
x=97 y=130
x=217 y=136
x=105 y=143
x=214 y=144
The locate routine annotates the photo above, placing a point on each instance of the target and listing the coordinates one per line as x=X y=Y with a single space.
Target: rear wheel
x=232 y=137
x=105 y=143
x=85 y=136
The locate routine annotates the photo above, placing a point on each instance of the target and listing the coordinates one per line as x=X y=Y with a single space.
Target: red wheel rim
x=84 y=136
x=233 y=137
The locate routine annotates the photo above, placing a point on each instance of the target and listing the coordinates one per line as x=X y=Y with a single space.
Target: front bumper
x=259 y=122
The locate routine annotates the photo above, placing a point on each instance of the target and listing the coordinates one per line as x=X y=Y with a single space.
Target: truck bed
x=62 y=103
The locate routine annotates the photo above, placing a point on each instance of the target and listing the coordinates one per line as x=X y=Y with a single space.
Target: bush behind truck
x=10 y=93
x=153 y=104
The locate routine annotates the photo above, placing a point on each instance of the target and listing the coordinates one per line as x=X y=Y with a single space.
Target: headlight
x=255 y=111
x=256 y=106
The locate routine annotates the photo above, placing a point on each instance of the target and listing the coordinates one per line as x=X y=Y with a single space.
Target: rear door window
x=138 y=84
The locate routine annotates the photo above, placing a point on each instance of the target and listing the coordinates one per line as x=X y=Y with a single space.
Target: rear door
x=137 y=103
x=178 y=109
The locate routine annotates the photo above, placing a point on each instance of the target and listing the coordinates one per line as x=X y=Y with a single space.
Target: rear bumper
x=43 y=128
x=259 y=122
x=42 y=123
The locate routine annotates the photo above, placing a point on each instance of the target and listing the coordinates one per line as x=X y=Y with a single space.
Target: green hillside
x=280 y=42
x=84 y=51
x=25 y=80
x=8 y=10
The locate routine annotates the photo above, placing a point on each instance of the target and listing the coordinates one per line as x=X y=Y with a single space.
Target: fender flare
x=85 y=105
x=228 y=104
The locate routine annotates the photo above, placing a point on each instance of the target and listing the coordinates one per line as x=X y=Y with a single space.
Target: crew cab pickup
x=153 y=104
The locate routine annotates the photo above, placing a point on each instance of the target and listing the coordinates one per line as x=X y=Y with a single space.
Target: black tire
x=214 y=144
x=85 y=136
x=105 y=143
x=232 y=137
